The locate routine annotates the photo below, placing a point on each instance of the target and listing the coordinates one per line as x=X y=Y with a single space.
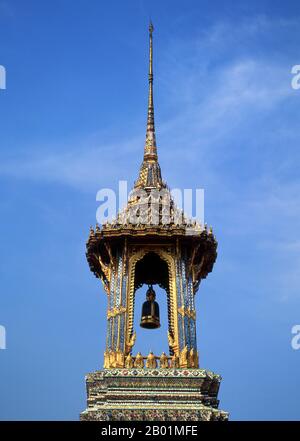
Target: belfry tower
x=151 y=242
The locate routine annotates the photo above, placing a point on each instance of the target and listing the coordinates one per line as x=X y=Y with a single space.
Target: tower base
x=153 y=395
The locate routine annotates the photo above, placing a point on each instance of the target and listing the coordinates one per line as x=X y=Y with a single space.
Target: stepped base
x=153 y=395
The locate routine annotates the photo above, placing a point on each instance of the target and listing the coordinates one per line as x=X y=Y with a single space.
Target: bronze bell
x=150 y=311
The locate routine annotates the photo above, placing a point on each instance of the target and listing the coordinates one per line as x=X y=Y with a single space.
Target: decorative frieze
x=153 y=395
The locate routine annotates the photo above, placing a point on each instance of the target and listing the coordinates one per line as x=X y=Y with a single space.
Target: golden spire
x=150 y=174
x=150 y=145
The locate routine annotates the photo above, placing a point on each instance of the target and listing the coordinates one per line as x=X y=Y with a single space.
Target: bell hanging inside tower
x=150 y=311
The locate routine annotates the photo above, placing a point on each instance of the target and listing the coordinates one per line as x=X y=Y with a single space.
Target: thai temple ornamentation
x=151 y=242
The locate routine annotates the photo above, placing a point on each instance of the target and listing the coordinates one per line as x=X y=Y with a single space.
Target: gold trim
x=150 y=319
x=130 y=343
x=188 y=312
x=117 y=359
x=182 y=303
x=115 y=311
x=169 y=258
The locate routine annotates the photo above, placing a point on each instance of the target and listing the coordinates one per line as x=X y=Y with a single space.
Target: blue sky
x=72 y=120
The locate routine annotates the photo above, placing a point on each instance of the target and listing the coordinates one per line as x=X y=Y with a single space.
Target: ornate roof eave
x=111 y=230
x=202 y=246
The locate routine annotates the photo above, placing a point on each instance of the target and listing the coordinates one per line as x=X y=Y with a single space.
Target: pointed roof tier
x=150 y=173
x=151 y=213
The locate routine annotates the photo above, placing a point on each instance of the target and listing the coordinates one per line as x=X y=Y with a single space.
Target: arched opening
x=152 y=270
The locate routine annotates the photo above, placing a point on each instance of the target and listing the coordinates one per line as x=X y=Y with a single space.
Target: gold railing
x=151 y=361
x=186 y=359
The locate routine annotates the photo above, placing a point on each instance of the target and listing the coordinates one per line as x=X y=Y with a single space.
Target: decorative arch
x=167 y=257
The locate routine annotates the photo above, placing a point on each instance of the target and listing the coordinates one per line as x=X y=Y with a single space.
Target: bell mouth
x=150 y=322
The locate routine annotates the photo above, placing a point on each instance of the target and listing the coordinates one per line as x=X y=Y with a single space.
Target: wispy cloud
x=213 y=103
x=82 y=168
x=239 y=91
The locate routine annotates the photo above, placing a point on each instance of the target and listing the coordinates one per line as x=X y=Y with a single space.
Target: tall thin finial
x=151 y=29
x=150 y=173
x=150 y=145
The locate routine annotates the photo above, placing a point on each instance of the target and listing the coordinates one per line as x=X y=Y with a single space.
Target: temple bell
x=150 y=311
